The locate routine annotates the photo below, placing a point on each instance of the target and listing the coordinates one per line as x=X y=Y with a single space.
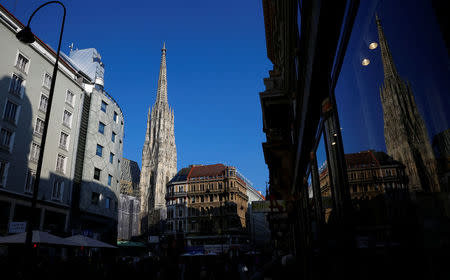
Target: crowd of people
x=244 y=267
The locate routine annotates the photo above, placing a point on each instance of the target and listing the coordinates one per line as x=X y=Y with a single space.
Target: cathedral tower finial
x=388 y=63
x=161 y=95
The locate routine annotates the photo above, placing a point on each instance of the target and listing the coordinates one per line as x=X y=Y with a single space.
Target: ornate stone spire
x=388 y=63
x=161 y=95
x=159 y=155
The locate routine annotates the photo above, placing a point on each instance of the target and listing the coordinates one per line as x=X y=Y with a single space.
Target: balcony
x=176 y=194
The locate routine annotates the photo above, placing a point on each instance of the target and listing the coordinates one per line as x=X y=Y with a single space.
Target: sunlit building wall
x=25 y=78
x=207 y=204
x=99 y=156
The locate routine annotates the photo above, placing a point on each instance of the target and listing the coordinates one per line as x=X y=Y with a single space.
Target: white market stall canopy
x=85 y=241
x=40 y=237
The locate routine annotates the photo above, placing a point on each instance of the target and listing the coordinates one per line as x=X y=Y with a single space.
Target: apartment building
x=25 y=78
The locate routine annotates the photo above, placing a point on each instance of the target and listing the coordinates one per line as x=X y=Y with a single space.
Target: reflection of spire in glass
x=388 y=63
x=405 y=133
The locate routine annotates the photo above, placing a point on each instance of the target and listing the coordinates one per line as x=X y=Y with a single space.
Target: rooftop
x=207 y=170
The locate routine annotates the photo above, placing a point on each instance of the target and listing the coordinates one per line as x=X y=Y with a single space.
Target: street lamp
x=27 y=37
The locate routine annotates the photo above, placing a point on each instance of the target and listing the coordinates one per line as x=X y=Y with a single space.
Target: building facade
x=98 y=167
x=26 y=73
x=370 y=174
x=207 y=205
x=79 y=186
x=159 y=155
x=257 y=223
x=441 y=147
x=129 y=203
x=322 y=94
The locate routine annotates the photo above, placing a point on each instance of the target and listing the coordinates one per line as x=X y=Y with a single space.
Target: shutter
x=16 y=121
x=22 y=89
x=11 y=141
x=61 y=190
x=11 y=83
x=5 y=174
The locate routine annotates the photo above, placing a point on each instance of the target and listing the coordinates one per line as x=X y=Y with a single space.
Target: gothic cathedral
x=159 y=155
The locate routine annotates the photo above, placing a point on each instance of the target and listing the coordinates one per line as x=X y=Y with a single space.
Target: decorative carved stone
x=159 y=154
x=129 y=180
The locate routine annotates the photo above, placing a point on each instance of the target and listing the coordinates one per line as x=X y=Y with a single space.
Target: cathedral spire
x=388 y=63
x=159 y=155
x=161 y=96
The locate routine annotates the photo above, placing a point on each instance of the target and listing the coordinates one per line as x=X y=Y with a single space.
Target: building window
x=43 y=103
x=16 y=85
x=111 y=157
x=115 y=117
x=47 y=80
x=69 y=98
x=113 y=137
x=11 y=112
x=96 y=173
x=39 y=128
x=22 y=63
x=109 y=179
x=29 y=182
x=61 y=163
x=67 y=118
x=64 y=141
x=95 y=198
x=3 y=173
x=6 y=139
x=34 y=154
x=211 y=198
x=202 y=198
x=107 y=202
x=99 y=151
x=58 y=189
x=101 y=127
x=103 y=106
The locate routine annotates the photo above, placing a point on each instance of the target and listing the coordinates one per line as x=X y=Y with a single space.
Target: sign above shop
x=269 y=206
x=17 y=227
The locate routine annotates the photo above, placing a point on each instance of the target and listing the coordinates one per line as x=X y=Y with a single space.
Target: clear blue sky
x=216 y=62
